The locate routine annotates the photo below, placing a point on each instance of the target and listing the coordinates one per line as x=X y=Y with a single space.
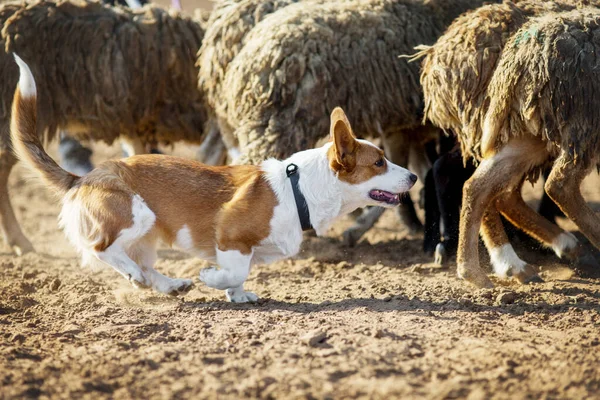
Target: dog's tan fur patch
x=218 y=204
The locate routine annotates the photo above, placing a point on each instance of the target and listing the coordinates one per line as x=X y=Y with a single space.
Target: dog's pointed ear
x=344 y=142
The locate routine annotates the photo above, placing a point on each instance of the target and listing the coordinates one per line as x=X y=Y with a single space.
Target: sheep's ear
x=344 y=141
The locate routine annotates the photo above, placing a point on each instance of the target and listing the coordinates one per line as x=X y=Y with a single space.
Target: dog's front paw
x=240 y=296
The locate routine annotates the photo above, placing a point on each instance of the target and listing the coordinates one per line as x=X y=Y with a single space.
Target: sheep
x=74 y=157
x=102 y=72
x=472 y=46
x=328 y=51
x=478 y=35
x=228 y=25
x=472 y=42
x=495 y=79
x=304 y=59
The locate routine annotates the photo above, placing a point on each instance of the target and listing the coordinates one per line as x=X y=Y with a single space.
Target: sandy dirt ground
x=375 y=321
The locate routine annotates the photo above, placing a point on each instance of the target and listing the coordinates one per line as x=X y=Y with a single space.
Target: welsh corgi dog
x=234 y=216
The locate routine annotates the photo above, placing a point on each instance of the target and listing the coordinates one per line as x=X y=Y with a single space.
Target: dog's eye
x=379 y=163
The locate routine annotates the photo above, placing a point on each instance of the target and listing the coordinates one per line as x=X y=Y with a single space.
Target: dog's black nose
x=413 y=178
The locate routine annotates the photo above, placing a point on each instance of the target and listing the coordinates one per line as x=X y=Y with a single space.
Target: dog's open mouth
x=385 y=197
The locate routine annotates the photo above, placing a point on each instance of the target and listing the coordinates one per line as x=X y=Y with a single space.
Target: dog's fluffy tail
x=24 y=135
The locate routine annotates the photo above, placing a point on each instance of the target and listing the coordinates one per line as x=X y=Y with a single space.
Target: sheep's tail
x=24 y=135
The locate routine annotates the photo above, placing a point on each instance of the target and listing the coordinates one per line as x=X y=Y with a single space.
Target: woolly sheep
x=517 y=92
x=102 y=73
x=229 y=23
x=304 y=59
x=459 y=95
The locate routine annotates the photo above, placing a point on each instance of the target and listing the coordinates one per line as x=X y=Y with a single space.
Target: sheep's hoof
x=528 y=275
x=429 y=245
x=586 y=265
x=440 y=256
x=476 y=277
x=351 y=237
x=75 y=158
x=21 y=247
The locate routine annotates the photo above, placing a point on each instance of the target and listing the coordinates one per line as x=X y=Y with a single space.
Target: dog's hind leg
x=116 y=256
x=144 y=254
x=107 y=227
x=10 y=227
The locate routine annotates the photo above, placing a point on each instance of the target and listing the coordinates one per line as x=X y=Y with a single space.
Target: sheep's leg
x=432 y=216
x=10 y=227
x=563 y=186
x=547 y=208
x=477 y=195
x=564 y=244
x=74 y=157
x=212 y=151
x=492 y=177
x=449 y=175
x=363 y=223
x=397 y=148
x=502 y=255
x=422 y=157
x=132 y=146
x=231 y=142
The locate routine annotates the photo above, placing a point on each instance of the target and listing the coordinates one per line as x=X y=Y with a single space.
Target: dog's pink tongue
x=382 y=195
x=388 y=195
x=391 y=196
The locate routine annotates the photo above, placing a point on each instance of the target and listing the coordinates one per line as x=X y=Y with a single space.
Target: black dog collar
x=292 y=173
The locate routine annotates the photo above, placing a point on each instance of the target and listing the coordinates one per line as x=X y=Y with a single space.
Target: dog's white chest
x=283 y=244
x=285 y=237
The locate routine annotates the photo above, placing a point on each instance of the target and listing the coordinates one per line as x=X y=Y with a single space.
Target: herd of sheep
x=465 y=92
